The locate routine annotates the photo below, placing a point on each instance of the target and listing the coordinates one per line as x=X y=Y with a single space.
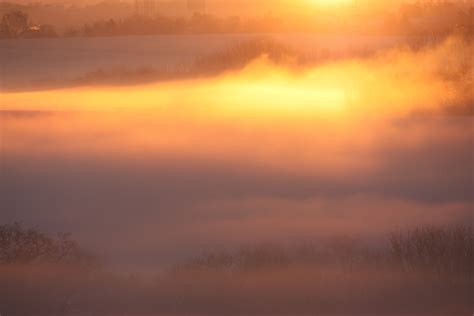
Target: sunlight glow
x=263 y=92
x=330 y=3
x=264 y=114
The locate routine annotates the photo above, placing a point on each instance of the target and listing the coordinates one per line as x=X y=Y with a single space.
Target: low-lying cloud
x=262 y=153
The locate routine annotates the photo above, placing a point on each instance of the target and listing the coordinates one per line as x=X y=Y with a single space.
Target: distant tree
x=20 y=245
x=446 y=251
x=14 y=24
x=71 y=32
x=47 y=30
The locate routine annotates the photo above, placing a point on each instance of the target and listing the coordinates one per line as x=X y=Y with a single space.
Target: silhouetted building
x=146 y=7
x=197 y=5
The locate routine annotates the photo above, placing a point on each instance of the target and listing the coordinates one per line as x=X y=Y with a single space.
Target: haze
x=285 y=158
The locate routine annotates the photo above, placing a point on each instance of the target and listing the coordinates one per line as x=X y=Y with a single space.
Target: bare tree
x=14 y=24
x=29 y=246
x=446 y=251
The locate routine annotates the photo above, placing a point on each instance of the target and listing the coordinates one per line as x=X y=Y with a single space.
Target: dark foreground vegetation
x=424 y=271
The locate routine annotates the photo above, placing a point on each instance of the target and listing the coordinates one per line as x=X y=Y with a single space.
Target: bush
x=20 y=245
x=445 y=251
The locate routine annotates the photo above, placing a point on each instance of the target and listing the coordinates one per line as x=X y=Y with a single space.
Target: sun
x=329 y=3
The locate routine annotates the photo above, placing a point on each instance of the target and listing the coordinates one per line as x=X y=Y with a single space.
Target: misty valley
x=289 y=163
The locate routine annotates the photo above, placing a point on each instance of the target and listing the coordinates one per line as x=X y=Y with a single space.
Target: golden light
x=262 y=92
x=330 y=3
x=319 y=117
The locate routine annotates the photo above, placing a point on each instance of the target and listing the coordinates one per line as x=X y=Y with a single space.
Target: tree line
x=16 y=24
x=427 y=270
x=29 y=246
x=430 y=19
